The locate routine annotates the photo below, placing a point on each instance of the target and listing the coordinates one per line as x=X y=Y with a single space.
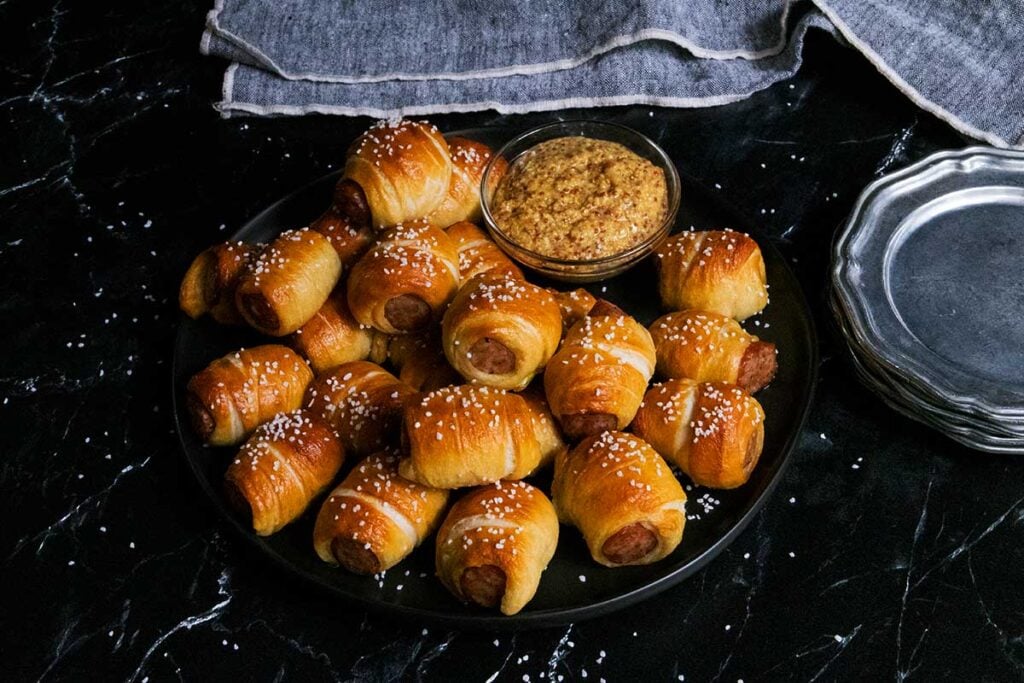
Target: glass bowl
x=581 y=270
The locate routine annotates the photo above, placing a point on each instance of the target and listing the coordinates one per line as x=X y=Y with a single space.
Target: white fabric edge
x=211 y=20
x=228 y=108
x=227 y=90
x=204 y=43
x=903 y=86
x=213 y=25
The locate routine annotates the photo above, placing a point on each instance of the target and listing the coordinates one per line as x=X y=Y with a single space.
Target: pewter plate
x=880 y=377
x=897 y=394
x=928 y=272
x=900 y=396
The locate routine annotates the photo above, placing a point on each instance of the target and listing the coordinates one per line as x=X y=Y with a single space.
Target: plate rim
x=546 y=617
x=885 y=385
x=863 y=325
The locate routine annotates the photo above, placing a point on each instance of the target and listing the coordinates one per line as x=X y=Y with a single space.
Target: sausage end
x=259 y=311
x=757 y=367
x=490 y=356
x=483 y=585
x=407 y=312
x=579 y=425
x=630 y=544
x=350 y=200
x=202 y=419
x=354 y=556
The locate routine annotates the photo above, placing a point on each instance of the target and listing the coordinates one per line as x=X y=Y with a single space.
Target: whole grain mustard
x=580 y=198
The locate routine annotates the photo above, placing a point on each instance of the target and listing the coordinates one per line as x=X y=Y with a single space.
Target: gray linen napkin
x=962 y=61
x=377 y=40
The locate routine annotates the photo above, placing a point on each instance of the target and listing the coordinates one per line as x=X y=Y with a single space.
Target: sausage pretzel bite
x=708 y=347
x=545 y=427
x=713 y=431
x=716 y=270
x=404 y=169
x=500 y=331
x=284 y=465
x=622 y=496
x=288 y=282
x=362 y=402
x=231 y=396
x=374 y=518
x=598 y=377
x=495 y=543
x=210 y=283
x=405 y=281
x=467 y=436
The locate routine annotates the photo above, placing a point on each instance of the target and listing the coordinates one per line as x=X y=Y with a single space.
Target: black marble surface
x=887 y=552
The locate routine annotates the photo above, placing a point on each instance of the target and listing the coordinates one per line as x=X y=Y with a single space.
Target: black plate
x=411 y=588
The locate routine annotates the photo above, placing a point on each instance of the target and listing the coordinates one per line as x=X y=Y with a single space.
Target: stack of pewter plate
x=928 y=288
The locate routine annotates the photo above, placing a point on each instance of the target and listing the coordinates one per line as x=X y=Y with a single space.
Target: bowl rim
x=672 y=181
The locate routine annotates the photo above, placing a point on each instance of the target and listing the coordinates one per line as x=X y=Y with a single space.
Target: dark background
x=888 y=551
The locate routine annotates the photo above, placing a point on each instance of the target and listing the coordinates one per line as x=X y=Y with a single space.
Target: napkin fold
x=961 y=61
